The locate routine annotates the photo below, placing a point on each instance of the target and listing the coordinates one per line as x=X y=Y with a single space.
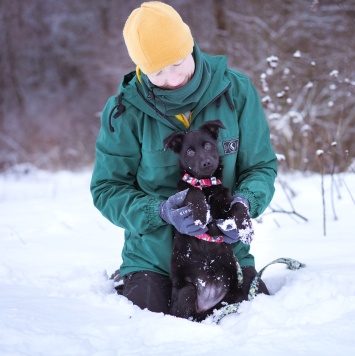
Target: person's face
x=174 y=76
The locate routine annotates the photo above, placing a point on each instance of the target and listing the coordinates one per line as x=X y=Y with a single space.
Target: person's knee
x=148 y=290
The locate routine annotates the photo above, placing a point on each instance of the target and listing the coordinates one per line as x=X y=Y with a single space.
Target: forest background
x=61 y=60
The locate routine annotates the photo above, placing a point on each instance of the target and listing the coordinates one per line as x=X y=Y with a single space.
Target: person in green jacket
x=175 y=87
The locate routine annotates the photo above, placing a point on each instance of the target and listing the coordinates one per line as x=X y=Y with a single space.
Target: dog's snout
x=206 y=163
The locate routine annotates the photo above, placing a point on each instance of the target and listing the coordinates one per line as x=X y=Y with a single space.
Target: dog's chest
x=190 y=250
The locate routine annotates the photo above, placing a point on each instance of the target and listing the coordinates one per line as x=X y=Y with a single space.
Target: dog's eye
x=207 y=146
x=190 y=152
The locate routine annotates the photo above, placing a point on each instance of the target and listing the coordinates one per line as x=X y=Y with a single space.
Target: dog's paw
x=201 y=213
x=200 y=209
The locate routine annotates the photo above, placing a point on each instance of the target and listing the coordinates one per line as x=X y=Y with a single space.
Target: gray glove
x=173 y=212
x=240 y=206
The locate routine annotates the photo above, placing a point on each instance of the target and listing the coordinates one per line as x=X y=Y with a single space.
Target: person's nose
x=173 y=79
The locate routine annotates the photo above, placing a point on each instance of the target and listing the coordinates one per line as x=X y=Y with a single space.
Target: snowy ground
x=56 y=252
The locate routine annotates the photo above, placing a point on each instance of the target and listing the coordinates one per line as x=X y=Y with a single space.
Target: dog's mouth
x=207 y=172
x=201 y=167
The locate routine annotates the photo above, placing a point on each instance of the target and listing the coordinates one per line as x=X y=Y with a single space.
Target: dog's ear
x=212 y=127
x=174 y=142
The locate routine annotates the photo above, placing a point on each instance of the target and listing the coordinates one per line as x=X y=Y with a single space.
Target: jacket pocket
x=158 y=173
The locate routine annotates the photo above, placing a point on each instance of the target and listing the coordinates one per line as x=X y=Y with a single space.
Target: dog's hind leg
x=184 y=301
x=210 y=292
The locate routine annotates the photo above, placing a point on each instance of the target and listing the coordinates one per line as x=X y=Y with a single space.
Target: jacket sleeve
x=256 y=162
x=113 y=185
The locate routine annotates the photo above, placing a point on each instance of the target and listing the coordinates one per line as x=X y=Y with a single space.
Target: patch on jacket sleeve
x=230 y=146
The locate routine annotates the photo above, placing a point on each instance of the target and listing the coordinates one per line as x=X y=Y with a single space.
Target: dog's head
x=197 y=150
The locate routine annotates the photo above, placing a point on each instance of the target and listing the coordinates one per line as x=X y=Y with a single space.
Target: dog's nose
x=206 y=163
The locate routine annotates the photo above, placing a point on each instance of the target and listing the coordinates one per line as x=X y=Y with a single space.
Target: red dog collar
x=200 y=183
x=209 y=238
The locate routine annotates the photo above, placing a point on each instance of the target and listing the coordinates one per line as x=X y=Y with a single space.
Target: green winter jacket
x=133 y=174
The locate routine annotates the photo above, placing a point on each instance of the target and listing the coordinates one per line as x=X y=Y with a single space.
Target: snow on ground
x=57 y=251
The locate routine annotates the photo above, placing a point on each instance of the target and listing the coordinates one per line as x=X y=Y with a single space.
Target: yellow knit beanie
x=156 y=37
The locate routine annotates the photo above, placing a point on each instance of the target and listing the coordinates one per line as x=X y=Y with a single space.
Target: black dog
x=203 y=273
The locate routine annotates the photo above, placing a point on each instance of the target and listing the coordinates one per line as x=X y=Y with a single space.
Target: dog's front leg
x=220 y=201
x=196 y=199
x=184 y=301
